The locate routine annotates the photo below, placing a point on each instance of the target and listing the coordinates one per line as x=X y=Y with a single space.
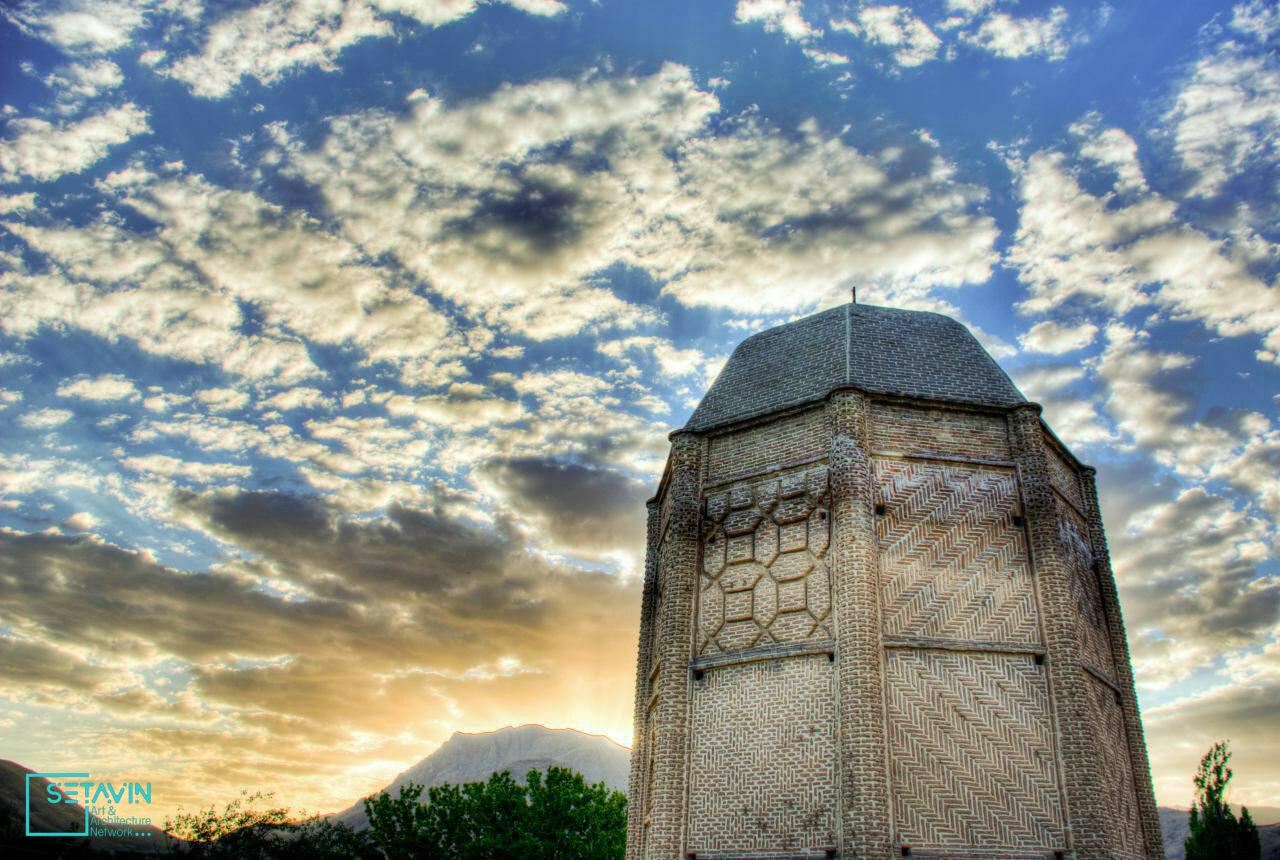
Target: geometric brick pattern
x=953 y=563
x=1090 y=617
x=763 y=759
x=766 y=578
x=971 y=759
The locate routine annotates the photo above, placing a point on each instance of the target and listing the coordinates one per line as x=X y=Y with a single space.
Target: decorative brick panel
x=952 y=562
x=971 y=752
x=921 y=430
x=762 y=764
x=765 y=575
x=765 y=445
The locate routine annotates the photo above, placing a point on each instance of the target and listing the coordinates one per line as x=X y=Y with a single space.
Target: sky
x=339 y=341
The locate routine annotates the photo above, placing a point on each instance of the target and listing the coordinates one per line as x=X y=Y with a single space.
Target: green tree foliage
x=1216 y=834
x=552 y=816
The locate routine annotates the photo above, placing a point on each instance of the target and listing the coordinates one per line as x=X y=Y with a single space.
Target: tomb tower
x=879 y=618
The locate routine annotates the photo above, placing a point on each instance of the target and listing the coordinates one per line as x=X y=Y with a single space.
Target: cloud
x=1122 y=254
x=44 y=419
x=273 y=39
x=91 y=26
x=78 y=83
x=1180 y=732
x=43 y=150
x=162 y=465
x=777 y=16
x=894 y=27
x=183 y=289
x=589 y=512
x=106 y=388
x=1012 y=38
x=1226 y=117
x=1056 y=338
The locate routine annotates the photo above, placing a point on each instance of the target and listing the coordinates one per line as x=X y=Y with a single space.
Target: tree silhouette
x=1215 y=832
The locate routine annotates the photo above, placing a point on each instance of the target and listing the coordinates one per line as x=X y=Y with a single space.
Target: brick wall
x=765 y=445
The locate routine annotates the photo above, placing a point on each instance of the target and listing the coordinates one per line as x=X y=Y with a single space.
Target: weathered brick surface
x=762 y=764
x=677 y=584
x=864 y=789
x=1148 y=820
x=1086 y=594
x=952 y=562
x=770 y=444
x=766 y=579
x=881 y=622
x=971 y=752
x=924 y=430
x=641 y=753
x=1064 y=477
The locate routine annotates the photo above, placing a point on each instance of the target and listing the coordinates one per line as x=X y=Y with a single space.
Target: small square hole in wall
x=879 y=510
x=831 y=853
x=1039 y=658
x=906 y=850
x=1059 y=855
x=1017 y=521
x=1119 y=701
x=697 y=676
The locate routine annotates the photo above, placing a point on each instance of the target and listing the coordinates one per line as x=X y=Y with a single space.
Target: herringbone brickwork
x=971 y=751
x=953 y=563
x=762 y=763
x=1118 y=788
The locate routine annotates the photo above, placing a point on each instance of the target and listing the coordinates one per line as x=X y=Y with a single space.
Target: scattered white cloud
x=80 y=26
x=1055 y=338
x=1226 y=116
x=223 y=399
x=1003 y=35
x=81 y=521
x=43 y=150
x=1072 y=245
x=896 y=28
x=44 y=419
x=108 y=387
x=275 y=38
x=777 y=16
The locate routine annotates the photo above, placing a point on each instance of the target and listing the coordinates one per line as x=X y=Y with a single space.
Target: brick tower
x=879 y=618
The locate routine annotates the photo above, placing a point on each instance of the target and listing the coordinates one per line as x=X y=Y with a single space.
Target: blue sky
x=339 y=341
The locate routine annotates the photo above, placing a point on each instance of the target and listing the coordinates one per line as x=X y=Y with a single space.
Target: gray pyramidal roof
x=879 y=350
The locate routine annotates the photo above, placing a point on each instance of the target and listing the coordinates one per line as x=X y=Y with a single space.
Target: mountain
x=59 y=818
x=1174 y=828
x=519 y=749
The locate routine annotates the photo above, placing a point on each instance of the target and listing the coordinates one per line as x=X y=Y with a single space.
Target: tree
x=1215 y=832
x=552 y=817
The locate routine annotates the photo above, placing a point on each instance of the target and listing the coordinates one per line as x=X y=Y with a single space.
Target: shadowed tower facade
x=879 y=618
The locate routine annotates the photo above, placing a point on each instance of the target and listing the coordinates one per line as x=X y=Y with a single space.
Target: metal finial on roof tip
x=853 y=295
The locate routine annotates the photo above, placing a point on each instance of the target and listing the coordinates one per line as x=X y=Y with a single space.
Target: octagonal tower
x=879 y=618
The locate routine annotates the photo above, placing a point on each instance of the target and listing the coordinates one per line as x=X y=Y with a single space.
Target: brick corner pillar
x=1088 y=823
x=637 y=803
x=677 y=588
x=863 y=768
x=1152 y=839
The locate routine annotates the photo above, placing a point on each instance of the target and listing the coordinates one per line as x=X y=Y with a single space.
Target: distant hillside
x=1174 y=828
x=54 y=818
x=519 y=749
